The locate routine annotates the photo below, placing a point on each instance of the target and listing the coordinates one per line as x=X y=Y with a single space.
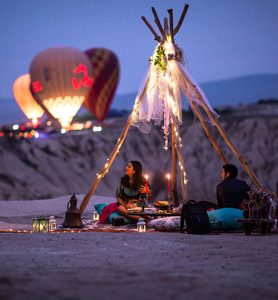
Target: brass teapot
x=73 y=217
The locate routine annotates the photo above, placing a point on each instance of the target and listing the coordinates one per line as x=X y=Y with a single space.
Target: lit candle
x=169 y=182
x=147 y=184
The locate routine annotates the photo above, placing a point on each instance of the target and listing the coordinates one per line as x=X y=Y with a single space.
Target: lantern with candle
x=141 y=225
x=40 y=224
x=95 y=216
x=52 y=223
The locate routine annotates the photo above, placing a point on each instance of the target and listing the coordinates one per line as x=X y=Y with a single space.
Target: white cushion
x=165 y=224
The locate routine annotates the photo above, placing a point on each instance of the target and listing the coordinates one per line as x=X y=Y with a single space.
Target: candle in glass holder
x=141 y=225
x=169 y=182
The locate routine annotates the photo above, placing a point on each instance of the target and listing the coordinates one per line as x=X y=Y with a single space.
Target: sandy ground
x=19 y=214
x=154 y=265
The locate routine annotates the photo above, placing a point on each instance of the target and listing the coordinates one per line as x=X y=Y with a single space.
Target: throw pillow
x=165 y=224
x=225 y=219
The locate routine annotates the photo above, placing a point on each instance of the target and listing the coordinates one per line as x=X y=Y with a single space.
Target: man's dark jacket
x=231 y=192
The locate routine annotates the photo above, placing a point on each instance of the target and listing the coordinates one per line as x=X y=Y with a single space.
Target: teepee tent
x=159 y=101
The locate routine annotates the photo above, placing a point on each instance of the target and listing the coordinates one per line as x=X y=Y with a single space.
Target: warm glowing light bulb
x=168 y=176
x=35 y=121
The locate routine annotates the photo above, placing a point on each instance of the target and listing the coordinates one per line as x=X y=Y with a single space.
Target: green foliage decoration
x=160 y=59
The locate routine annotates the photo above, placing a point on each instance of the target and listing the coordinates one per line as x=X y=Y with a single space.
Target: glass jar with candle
x=141 y=225
x=95 y=216
x=52 y=223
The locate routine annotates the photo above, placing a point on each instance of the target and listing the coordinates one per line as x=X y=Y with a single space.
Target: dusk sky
x=221 y=38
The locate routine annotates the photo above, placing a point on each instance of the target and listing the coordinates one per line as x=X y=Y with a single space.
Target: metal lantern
x=95 y=216
x=141 y=225
x=40 y=224
x=52 y=223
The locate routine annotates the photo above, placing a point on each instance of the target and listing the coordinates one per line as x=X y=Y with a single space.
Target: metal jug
x=73 y=217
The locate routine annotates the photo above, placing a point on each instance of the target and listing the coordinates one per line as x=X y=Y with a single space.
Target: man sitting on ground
x=231 y=191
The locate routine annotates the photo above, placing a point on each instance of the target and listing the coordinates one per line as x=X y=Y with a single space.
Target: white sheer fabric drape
x=162 y=95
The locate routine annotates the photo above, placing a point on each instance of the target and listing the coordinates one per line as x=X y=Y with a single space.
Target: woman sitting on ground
x=131 y=190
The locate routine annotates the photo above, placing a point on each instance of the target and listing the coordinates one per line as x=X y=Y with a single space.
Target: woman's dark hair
x=232 y=169
x=137 y=177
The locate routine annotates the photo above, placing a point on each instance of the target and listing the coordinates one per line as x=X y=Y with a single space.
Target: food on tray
x=161 y=204
x=134 y=209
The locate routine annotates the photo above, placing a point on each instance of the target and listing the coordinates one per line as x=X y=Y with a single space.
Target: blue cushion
x=99 y=208
x=225 y=219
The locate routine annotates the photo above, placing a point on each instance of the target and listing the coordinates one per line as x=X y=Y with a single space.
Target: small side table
x=261 y=225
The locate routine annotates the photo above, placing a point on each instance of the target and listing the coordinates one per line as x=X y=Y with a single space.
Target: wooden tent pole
x=179 y=155
x=174 y=168
x=156 y=36
x=171 y=21
x=181 y=159
x=208 y=134
x=166 y=26
x=113 y=154
x=106 y=167
x=158 y=24
x=234 y=150
x=177 y=28
x=224 y=135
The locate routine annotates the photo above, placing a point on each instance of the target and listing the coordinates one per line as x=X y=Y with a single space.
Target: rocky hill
x=64 y=164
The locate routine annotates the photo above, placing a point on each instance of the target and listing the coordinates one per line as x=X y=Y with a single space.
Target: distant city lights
x=28 y=131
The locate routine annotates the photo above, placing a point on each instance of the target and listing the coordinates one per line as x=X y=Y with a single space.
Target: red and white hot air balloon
x=25 y=99
x=106 y=71
x=61 y=79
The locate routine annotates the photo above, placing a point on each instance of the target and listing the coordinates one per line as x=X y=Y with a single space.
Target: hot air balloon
x=25 y=100
x=60 y=81
x=106 y=72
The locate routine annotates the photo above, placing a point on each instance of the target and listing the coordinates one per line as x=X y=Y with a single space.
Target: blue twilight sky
x=221 y=38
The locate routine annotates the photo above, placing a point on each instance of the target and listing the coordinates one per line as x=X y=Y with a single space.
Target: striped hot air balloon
x=61 y=79
x=25 y=99
x=106 y=71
